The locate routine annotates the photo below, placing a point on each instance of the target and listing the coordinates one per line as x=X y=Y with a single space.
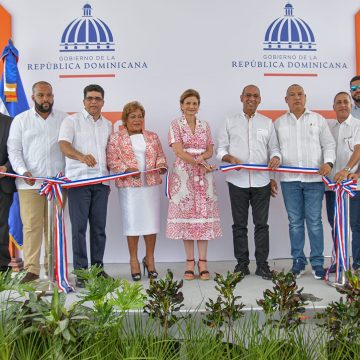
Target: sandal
x=203 y=275
x=189 y=274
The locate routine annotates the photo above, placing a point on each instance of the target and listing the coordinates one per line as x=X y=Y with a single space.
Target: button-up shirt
x=355 y=112
x=346 y=135
x=33 y=146
x=304 y=142
x=88 y=137
x=252 y=141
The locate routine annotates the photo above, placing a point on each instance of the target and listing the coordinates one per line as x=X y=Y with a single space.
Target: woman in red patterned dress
x=193 y=209
x=133 y=148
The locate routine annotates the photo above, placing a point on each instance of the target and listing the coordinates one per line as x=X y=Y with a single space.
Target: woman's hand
x=207 y=167
x=163 y=169
x=130 y=169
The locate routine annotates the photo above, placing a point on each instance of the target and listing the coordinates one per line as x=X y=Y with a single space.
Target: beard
x=356 y=98
x=44 y=108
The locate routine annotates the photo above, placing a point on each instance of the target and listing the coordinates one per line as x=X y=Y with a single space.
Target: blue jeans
x=354 y=222
x=303 y=202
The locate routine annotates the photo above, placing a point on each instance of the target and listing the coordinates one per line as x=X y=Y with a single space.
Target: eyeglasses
x=353 y=88
x=91 y=98
x=133 y=117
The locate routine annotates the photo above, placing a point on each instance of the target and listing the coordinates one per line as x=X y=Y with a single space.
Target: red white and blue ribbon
x=259 y=167
x=343 y=192
x=167 y=185
x=51 y=188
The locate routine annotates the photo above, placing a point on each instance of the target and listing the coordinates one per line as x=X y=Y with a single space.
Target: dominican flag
x=12 y=102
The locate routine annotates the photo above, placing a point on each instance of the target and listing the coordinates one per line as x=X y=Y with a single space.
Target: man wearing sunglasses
x=355 y=94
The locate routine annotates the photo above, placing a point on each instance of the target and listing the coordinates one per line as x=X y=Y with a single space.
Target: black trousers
x=5 y=204
x=259 y=199
x=88 y=203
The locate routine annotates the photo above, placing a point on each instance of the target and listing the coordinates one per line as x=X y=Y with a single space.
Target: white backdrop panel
x=186 y=44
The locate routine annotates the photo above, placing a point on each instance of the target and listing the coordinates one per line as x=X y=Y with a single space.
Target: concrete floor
x=197 y=292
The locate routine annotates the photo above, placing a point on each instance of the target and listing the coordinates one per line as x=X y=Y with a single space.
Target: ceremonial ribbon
x=347 y=187
x=52 y=189
x=259 y=167
x=343 y=191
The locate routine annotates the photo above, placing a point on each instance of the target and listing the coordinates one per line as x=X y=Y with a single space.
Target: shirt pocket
x=314 y=132
x=262 y=135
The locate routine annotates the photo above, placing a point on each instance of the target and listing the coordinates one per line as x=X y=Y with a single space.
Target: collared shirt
x=346 y=135
x=304 y=142
x=252 y=141
x=89 y=137
x=33 y=145
x=355 y=112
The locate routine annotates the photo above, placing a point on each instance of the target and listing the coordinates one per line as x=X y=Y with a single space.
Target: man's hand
x=341 y=175
x=325 y=169
x=89 y=160
x=3 y=169
x=133 y=170
x=208 y=167
x=231 y=160
x=353 y=176
x=30 y=182
x=274 y=162
x=274 y=188
x=163 y=169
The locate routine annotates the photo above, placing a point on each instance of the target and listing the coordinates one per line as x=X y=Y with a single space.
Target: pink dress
x=193 y=209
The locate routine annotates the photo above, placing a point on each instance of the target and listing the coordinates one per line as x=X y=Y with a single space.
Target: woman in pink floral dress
x=193 y=209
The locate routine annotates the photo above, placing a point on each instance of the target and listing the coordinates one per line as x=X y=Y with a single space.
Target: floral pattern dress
x=193 y=208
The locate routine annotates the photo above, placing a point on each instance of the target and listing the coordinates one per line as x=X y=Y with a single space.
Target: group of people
x=43 y=141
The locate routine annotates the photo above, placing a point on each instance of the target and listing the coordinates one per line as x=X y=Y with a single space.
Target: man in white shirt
x=34 y=151
x=346 y=132
x=355 y=94
x=249 y=137
x=83 y=138
x=305 y=141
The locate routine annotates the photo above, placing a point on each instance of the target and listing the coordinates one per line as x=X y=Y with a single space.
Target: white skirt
x=140 y=210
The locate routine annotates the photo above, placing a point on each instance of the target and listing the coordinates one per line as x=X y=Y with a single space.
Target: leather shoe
x=243 y=268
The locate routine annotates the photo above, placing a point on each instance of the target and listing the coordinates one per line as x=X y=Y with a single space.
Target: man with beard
x=34 y=151
x=7 y=188
x=250 y=137
x=355 y=94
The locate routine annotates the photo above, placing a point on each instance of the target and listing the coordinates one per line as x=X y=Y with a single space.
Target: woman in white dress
x=134 y=149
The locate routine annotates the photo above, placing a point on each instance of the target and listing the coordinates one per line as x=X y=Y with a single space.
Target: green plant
x=284 y=304
x=341 y=319
x=11 y=283
x=164 y=300
x=109 y=298
x=226 y=309
x=51 y=318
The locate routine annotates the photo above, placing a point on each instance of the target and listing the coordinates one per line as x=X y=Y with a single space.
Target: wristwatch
x=330 y=164
x=348 y=169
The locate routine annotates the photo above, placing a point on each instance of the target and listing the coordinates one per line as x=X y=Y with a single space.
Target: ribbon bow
x=340 y=249
x=51 y=188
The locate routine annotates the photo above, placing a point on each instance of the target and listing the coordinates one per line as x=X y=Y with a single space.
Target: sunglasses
x=353 y=88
